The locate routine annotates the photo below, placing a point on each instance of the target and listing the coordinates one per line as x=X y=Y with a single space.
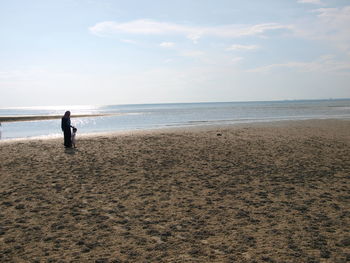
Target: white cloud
x=324 y=64
x=331 y=25
x=167 y=44
x=242 y=47
x=335 y=23
x=192 y=53
x=316 y=2
x=194 y=33
x=27 y=74
x=169 y=60
x=335 y=16
x=236 y=60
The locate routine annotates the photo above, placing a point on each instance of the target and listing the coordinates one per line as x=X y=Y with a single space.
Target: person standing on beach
x=65 y=125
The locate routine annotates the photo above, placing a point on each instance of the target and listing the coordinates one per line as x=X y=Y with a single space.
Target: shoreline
x=176 y=129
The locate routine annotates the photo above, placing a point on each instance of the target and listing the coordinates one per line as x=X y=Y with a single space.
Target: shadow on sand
x=71 y=151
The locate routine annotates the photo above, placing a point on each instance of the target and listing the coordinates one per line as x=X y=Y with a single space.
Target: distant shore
x=46 y=117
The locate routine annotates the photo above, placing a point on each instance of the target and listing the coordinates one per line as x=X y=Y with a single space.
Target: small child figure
x=73 y=136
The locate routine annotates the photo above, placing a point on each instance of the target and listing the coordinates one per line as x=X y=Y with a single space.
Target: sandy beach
x=268 y=192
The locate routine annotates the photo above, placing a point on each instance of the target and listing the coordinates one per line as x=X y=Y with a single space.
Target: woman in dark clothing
x=65 y=125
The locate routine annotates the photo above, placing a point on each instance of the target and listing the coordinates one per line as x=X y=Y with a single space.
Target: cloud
x=192 y=53
x=242 y=47
x=236 y=60
x=28 y=74
x=167 y=44
x=331 y=25
x=335 y=17
x=324 y=64
x=316 y=2
x=194 y=33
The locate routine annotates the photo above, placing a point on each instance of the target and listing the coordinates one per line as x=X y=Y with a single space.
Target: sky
x=104 y=52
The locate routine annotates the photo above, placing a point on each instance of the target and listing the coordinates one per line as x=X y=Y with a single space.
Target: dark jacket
x=65 y=124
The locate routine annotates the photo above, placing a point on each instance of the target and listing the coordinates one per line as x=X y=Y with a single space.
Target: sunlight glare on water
x=154 y=116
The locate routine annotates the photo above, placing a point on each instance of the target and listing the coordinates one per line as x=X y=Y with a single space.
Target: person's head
x=67 y=114
x=75 y=129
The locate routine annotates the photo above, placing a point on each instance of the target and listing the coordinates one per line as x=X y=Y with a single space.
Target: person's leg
x=67 y=138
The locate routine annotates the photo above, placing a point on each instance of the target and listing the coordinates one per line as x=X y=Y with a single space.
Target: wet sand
x=276 y=192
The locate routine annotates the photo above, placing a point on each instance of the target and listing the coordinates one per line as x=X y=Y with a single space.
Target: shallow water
x=153 y=116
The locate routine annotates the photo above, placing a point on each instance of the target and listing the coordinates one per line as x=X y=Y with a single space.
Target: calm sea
x=153 y=116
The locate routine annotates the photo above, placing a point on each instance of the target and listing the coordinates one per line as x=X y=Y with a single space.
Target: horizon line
x=90 y=106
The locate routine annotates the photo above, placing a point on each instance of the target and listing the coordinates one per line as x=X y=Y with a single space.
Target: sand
x=274 y=192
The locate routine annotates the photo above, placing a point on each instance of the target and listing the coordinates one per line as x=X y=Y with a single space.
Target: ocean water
x=154 y=116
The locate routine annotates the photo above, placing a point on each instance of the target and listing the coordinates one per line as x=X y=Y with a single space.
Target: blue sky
x=69 y=52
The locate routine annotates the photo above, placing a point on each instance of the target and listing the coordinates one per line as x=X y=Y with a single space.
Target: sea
x=156 y=116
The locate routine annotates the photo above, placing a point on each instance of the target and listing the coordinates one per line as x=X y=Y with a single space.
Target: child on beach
x=73 y=136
